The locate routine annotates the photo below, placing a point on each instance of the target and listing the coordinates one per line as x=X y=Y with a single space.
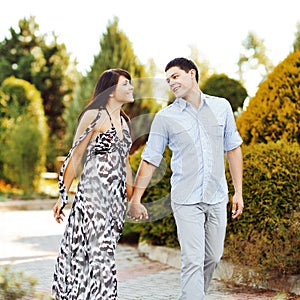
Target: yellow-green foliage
x=267 y=235
x=274 y=112
x=24 y=133
x=15 y=285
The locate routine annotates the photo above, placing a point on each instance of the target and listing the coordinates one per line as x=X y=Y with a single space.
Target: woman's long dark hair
x=106 y=84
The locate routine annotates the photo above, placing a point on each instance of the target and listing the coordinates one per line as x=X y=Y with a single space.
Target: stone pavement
x=30 y=240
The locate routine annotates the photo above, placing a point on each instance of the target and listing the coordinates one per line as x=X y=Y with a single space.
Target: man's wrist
x=135 y=200
x=238 y=192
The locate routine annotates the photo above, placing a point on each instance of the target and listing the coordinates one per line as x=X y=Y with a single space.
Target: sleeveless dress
x=85 y=268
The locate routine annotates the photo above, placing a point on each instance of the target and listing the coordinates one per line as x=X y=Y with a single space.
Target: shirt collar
x=183 y=104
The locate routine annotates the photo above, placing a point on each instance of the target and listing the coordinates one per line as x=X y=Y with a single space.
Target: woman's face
x=124 y=91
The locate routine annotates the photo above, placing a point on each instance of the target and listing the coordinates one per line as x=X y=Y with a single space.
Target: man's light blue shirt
x=198 y=139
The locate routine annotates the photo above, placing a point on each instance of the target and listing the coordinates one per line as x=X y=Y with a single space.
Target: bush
x=267 y=235
x=23 y=133
x=160 y=229
x=222 y=86
x=15 y=285
x=23 y=155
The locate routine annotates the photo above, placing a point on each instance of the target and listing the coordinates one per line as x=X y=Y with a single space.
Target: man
x=198 y=129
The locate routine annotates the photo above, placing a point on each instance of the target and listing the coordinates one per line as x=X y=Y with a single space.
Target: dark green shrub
x=222 y=86
x=267 y=235
x=160 y=229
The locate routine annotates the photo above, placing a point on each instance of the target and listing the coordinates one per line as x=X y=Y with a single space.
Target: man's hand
x=237 y=205
x=136 y=211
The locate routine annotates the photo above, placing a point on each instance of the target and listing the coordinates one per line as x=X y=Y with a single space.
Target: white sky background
x=163 y=29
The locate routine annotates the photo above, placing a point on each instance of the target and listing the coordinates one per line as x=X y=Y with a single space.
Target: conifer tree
x=116 y=51
x=274 y=112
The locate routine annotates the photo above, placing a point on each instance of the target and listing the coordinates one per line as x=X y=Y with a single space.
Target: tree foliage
x=204 y=68
x=254 y=57
x=27 y=55
x=116 y=51
x=296 y=45
x=24 y=133
x=223 y=86
x=274 y=112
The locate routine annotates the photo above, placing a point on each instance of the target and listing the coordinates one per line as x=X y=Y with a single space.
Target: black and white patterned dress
x=85 y=267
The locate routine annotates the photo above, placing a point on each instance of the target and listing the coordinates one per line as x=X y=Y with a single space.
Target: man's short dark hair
x=184 y=64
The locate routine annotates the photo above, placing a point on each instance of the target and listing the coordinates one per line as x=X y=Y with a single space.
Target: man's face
x=180 y=81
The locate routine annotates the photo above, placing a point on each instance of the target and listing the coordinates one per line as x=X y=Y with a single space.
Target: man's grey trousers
x=201 y=231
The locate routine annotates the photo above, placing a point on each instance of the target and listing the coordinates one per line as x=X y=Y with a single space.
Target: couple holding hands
x=199 y=129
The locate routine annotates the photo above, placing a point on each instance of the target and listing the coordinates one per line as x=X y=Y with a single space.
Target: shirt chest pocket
x=215 y=135
x=215 y=130
x=182 y=134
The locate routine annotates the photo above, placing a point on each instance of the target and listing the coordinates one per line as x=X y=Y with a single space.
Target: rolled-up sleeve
x=157 y=141
x=232 y=138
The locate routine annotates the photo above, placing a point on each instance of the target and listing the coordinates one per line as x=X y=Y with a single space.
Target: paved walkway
x=30 y=240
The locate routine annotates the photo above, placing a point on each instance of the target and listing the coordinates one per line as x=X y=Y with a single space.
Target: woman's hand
x=57 y=213
x=136 y=211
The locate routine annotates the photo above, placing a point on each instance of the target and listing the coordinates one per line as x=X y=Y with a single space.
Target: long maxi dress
x=85 y=268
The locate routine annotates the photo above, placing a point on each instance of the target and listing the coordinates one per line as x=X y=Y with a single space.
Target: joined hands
x=137 y=211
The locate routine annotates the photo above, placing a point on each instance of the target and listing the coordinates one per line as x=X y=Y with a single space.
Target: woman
x=85 y=267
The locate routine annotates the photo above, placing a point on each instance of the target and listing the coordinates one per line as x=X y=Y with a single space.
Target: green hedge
x=267 y=235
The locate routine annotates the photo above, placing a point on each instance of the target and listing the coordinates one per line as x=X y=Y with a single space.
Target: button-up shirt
x=198 y=139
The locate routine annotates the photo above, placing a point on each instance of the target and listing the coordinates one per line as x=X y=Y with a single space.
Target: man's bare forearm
x=235 y=160
x=142 y=180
